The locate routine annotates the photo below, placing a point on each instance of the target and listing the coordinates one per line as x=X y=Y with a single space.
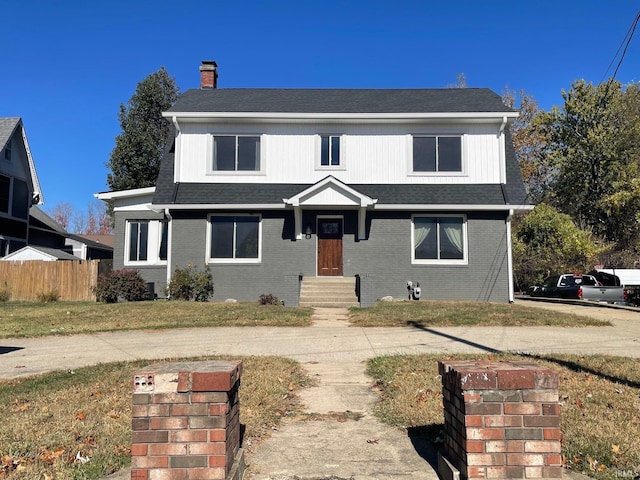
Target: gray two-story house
x=269 y=187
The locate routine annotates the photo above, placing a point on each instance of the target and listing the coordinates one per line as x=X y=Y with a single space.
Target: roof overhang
x=379 y=117
x=454 y=206
x=119 y=194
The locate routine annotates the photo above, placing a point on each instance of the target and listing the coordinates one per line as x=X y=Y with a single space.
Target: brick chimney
x=208 y=74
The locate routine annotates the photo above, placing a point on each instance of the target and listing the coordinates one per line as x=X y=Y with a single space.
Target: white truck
x=629 y=279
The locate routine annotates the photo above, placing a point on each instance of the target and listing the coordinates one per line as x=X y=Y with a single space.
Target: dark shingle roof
x=514 y=190
x=341 y=101
x=7 y=127
x=387 y=194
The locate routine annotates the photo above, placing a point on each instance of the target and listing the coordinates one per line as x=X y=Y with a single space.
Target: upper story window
x=15 y=198
x=329 y=151
x=7 y=151
x=236 y=153
x=437 y=154
x=147 y=241
x=234 y=238
x=5 y=193
x=440 y=239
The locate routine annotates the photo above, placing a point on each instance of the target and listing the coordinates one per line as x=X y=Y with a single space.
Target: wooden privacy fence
x=72 y=280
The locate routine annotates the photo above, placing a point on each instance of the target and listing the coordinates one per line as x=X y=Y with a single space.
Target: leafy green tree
x=528 y=143
x=135 y=159
x=591 y=148
x=546 y=241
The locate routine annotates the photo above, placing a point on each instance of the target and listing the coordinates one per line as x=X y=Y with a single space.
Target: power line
x=625 y=41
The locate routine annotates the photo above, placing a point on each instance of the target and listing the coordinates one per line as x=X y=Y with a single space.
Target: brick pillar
x=186 y=422
x=502 y=420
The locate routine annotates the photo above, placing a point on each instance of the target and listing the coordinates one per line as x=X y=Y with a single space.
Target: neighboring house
x=44 y=231
x=266 y=187
x=19 y=185
x=38 y=253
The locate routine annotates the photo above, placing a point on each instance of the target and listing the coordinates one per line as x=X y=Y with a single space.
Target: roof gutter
x=347 y=116
x=376 y=206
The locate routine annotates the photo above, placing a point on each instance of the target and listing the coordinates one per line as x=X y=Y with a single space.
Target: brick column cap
x=492 y=374
x=184 y=377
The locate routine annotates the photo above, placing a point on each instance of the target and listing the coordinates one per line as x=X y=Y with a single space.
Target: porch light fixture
x=307 y=232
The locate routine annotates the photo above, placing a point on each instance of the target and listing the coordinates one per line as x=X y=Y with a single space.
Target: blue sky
x=66 y=65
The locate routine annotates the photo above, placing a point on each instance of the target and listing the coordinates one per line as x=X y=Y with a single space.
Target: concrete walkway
x=335 y=353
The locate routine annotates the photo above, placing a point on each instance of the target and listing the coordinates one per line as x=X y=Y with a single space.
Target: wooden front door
x=329 y=247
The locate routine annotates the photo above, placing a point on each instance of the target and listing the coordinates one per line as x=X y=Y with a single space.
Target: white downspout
x=176 y=159
x=169 y=242
x=510 y=257
x=503 y=160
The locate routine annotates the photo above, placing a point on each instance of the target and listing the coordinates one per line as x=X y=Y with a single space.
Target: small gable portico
x=330 y=193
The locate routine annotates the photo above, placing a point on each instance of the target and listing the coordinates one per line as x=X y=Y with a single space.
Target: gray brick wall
x=282 y=258
x=383 y=260
x=386 y=256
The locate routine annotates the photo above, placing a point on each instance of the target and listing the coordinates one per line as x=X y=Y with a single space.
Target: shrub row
x=186 y=283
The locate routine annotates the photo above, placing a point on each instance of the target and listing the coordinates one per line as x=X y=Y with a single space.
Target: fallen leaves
x=595 y=466
x=48 y=457
x=20 y=406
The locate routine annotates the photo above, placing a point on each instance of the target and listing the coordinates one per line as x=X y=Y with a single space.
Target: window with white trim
x=146 y=242
x=234 y=238
x=329 y=151
x=439 y=239
x=236 y=153
x=437 y=153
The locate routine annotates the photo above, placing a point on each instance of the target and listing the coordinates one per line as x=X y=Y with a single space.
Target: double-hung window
x=234 y=238
x=439 y=239
x=138 y=241
x=147 y=241
x=236 y=153
x=329 y=151
x=437 y=154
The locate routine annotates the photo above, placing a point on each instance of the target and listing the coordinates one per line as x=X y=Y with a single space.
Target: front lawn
x=77 y=424
x=453 y=314
x=599 y=397
x=31 y=319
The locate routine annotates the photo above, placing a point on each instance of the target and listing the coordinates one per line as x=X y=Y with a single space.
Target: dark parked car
x=562 y=286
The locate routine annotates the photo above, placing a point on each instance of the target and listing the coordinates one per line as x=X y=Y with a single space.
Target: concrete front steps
x=328 y=292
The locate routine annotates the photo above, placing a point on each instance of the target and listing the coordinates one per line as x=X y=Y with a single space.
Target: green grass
x=600 y=398
x=451 y=314
x=27 y=319
x=49 y=421
x=30 y=319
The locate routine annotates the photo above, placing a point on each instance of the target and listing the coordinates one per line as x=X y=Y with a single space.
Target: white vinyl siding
x=290 y=153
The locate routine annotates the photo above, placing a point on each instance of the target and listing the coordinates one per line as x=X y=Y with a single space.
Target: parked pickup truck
x=579 y=287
